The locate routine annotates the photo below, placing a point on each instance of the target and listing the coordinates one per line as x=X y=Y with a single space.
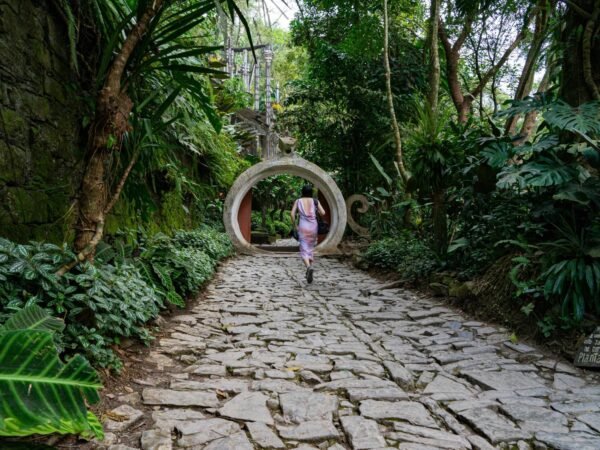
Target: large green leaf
x=497 y=153
x=381 y=169
x=40 y=394
x=584 y=119
x=33 y=318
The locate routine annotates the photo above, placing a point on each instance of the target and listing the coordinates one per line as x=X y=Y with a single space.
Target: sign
x=589 y=352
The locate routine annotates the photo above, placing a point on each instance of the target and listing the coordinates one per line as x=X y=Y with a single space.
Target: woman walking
x=308 y=208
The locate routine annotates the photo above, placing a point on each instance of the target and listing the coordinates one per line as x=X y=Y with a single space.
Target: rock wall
x=40 y=123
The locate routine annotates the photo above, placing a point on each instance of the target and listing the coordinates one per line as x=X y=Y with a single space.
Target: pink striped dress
x=307 y=230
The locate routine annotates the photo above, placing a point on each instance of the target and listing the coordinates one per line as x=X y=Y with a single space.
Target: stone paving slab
x=266 y=361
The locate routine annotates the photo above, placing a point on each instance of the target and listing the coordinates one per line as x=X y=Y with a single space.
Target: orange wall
x=327 y=217
x=245 y=216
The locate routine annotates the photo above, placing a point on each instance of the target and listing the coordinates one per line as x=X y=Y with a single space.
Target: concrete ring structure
x=291 y=165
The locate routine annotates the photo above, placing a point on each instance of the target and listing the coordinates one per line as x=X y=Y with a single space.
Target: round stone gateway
x=291 y=165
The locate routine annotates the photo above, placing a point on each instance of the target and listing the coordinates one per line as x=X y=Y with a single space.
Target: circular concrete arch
x=291 y=165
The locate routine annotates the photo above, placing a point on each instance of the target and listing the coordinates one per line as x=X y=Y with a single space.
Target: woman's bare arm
x=293 y=213
x=321 y=210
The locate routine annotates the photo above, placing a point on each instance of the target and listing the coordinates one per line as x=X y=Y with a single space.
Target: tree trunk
x=390 y=97
x=462 y=102
x=531 y=117
x=528 y=72
x=111 y=122
x=440 y=222
x=589 y=41
x=452 y=59
x=581 y=54
x=464 y=109
x=434 y=57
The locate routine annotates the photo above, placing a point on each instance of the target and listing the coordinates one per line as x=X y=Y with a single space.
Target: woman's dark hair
x=307 y=190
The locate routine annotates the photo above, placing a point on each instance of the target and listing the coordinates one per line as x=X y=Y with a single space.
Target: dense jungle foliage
x=472 y=126
x=144 y=234
x=495 y=159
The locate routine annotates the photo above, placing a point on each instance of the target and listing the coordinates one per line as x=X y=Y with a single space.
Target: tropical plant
x=404 y=253
x=115 y=299
x=150 y=56
x=42 y=394
x=554 y=174
x=573 y=276
x=433 y=159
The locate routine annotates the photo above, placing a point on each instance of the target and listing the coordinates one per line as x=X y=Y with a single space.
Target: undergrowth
x=116 y=298
x=405 y=253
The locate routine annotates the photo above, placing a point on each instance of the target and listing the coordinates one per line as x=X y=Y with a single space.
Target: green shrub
x=214 y=243
x=406 y=254
x=183 y=263
x=105 y=303
x=282 y=228
x=100 y=304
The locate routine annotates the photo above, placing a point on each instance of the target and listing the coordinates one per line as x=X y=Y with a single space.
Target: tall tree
x=111 y=123
x=581 y=60
x=434 y=56
x=461 y=97
x=543 y=10
x=438 y=194
x=390 y=96
x=145 y=40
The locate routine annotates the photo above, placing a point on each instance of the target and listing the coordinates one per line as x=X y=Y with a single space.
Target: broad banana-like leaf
x=33 y=318
x=41 y=395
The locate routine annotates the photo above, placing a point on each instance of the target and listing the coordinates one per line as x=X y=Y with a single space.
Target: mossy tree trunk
x=581 y=55
x=111 y=122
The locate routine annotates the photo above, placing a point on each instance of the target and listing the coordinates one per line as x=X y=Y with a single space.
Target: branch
x=462 y=37
x=87 y=251
x=578 y=9
x=527 y=73
x=121 y=183
x=452 y=70
x=444 y=38
x=494 y=69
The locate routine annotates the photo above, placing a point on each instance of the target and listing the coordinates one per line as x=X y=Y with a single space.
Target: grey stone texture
x=362 y=433
x=250 y=406
x=323 y=366
x=122 y=418
x=40 y=122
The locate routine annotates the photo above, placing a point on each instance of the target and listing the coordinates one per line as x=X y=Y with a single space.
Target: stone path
x=267 y=361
